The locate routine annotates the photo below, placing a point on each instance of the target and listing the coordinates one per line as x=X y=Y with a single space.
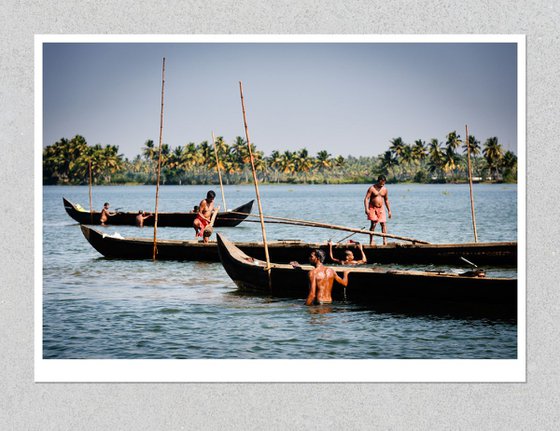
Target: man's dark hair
x=211 y=194
x=320 y=254
x=105 y=204
x=381 y=178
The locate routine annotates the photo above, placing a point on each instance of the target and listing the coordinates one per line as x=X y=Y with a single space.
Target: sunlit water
x=99 y=308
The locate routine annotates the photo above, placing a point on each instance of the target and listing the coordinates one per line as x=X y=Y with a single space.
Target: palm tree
x=388 y=163
x=149 y=151
x=112 y=161
x=323 y=160
x=436 y=158
x=397 y=148
x=407 y=159
x=275 y=163
x=493 y=154
x=288 y=163
x=474 y=147
x=419 y=151
x=303 y=163
x=453 y=142
x=509 y=165
x=451 y=161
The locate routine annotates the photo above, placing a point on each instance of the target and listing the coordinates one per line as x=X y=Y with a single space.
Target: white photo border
x=290 y=370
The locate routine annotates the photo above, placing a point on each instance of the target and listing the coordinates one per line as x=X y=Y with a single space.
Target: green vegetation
x=67 y=162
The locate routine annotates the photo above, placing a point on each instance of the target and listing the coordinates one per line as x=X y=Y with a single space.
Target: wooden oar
x=347 y=236
x=332 y=226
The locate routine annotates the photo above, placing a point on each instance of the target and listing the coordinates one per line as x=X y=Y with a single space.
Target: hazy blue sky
x=345 y=98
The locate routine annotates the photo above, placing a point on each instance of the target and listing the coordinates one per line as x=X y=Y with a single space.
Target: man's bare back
x=321 y=280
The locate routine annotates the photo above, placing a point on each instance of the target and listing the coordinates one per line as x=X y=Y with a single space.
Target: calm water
x=99 y=308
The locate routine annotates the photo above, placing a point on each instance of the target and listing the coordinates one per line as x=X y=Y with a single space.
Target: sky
x=346 y=98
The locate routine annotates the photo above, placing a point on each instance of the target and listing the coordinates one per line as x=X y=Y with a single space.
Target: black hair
x=381 y=178
x=106 y=203
x=211 y=194
x=320 y=254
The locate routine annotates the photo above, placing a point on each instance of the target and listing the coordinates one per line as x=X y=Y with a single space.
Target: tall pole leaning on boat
x=256 y=184
x=219 y=171
x=90 y=200
x=159 y=159
x=470 y=181
x=296 y=222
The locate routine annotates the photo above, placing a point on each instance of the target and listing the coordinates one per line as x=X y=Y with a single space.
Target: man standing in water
x=321 y=280
x=205 y=209
x=141 y=217
x=349 y=258
x=373 y=202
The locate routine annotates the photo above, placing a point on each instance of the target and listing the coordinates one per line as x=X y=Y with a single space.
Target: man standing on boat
x=321 y=280
x=205 y=209
x=373 y=203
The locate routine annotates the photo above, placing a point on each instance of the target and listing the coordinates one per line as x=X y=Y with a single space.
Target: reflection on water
x=99 y=308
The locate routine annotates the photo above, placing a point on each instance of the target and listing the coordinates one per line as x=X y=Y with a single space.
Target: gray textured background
x=26 y=405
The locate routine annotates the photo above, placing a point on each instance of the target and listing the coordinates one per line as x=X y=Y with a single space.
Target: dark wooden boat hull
x=178 y=219
x=401 y=290
x=286 y=251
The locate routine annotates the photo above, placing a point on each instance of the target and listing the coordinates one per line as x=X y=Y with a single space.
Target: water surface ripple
x=98 y=308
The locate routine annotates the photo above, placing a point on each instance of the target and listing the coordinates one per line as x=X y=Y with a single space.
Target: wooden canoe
x=165 y=219
x=501 y=253
x=397 y=289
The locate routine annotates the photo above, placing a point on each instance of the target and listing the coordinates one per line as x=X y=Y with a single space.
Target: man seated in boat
x=204 y=215
x=141 y=217
x=105 y=214
x=321 y=280
x=349 y=258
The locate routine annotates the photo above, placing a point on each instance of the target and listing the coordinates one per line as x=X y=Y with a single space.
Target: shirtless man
x=205 y=209
x=141 y=217
x=321 y=280
x=105 y=214
x=348 y=256
x=373 y=202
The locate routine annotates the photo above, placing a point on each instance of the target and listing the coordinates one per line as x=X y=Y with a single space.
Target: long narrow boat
x=399 y=289
x=503 y=253
x=165 y=219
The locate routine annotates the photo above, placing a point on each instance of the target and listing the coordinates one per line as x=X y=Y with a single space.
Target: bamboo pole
x=90 y=194
x=256 y=184
x=159 y=158
x=470 y=182
x=272 y=219
x=219 y=171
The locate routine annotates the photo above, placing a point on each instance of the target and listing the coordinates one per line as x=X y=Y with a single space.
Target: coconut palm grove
x=68 y=161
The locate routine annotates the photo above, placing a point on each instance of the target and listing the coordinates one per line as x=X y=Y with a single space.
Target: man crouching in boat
x=204 y=215
x=321 y=280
